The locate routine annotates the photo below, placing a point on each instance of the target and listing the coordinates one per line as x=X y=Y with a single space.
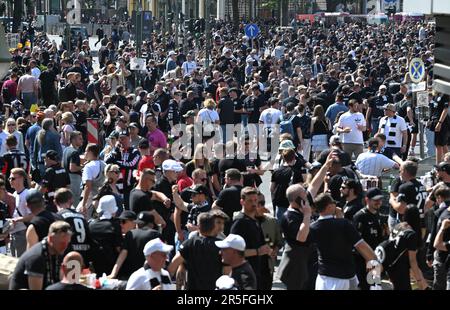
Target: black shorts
x=415 y=128
x=441 y=137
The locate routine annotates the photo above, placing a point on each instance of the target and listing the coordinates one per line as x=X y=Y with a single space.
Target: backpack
x=390 y=251
x=286 y=125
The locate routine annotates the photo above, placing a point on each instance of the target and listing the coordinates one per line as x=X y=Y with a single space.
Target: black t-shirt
x=351 y=208
x=186 y=105
x=226 y=114
x=377 y=104
x=415 y=193
x=244 y=277
x=283 y=177
x=195 y=210
x=203 y=262
x=165 y=187
x=344 y=157
x=13 y=159
x=47 y=79
x=290 y=224
x=33 y=262
x=335 y=239
x=55 y=177
x=406 y=242
x=369 y=226
x=237 y=106
x=252 y=105
x=134 y=242
x=394 y=189
x=81 y=236
x=71 y=155
x=227 y=163
x=140 y=201
x=251 y=231
x=107 y=236
x=229 y=200
x=67 y=287
x=439 y=104
x=42 y=222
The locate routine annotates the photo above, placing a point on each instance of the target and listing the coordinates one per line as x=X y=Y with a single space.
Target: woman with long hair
x=320 y=129
x=201 y=161
x=46 y=139
x=67 y=126
x=112 y=176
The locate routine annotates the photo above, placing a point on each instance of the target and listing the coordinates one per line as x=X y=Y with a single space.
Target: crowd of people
x=336 y=101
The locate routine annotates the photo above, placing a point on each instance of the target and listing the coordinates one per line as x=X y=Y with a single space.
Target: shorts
x=441 y=137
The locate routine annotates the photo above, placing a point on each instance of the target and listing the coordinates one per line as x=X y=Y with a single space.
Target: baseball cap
x=124 y=132
x=443 y=166
x=107 y=205
x=199 y=189
x=127 y=215
x=190 y=113
x=145 y=217
x=224 y=283
x=315 y=165
x=156 y=245
x=171 y=165
x=335 y=139
x=232 y=241
x=172 y=53
x=34 y=196
x=51 y=154
x=390 y=107
x=374 y=193
x=286 y=145
x=133 y=125
x=382 y=87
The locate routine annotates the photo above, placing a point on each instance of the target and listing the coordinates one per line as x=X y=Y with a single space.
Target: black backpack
x=391 y=250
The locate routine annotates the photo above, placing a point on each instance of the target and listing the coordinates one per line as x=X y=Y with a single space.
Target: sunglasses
x=11 y=125
x=11 y=178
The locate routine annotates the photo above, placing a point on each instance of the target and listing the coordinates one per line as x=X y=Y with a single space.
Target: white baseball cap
x=107 y=205
x=171 y=165
x=172 y=53
x=156 y=245
x=232 y=241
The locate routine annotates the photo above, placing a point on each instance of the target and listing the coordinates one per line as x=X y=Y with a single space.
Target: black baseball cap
x=374 y=193
x=34 y=196
x=128 y=215
x=443 y=166
x=199 y=189
x=124 y=132
x=51 y=154
x=145 y=217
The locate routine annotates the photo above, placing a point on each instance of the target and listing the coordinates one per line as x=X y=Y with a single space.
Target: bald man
x=71 y=270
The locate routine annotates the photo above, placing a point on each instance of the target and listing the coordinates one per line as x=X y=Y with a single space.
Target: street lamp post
x=207 y=31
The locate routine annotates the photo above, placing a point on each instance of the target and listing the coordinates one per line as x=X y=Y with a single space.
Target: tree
x=17 y=14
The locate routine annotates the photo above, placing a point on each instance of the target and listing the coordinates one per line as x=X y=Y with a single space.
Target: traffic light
x=197 y=26
x=189 y=25
x=441 y=67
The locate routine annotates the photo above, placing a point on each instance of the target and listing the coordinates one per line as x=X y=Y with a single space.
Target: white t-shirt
x=21 y=206
x=352 y=120
x=270 y=117
x=208 y=116
x=393 y=141
x=91 y=171
x=140 y=279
